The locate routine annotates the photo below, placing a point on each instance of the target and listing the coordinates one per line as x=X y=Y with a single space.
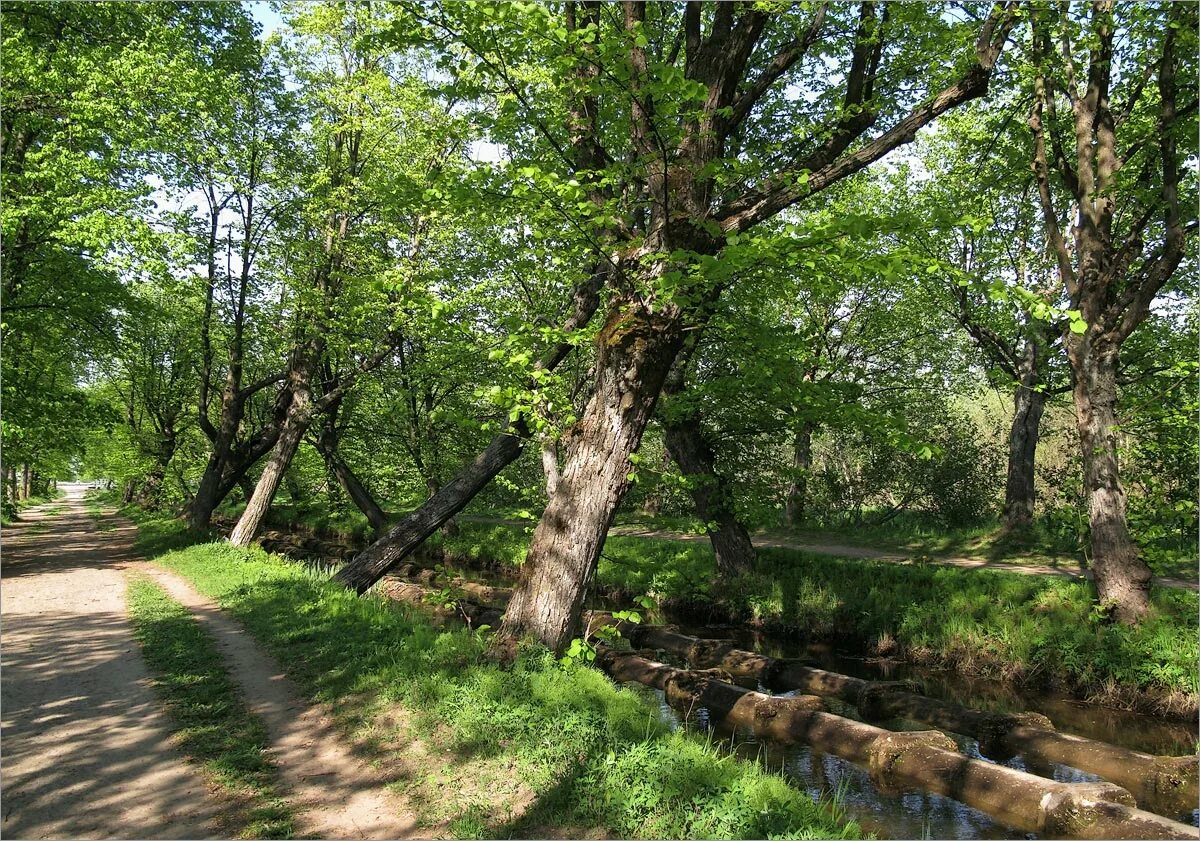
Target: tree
x=693 y=109
x=1127 y=232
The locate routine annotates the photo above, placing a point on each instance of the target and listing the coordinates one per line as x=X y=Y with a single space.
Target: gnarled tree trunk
x=1122 y=577
x=634 y=353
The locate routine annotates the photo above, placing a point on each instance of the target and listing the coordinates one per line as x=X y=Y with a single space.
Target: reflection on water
x=918 y=814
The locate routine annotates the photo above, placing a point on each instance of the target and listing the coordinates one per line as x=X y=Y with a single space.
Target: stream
x=919 y=814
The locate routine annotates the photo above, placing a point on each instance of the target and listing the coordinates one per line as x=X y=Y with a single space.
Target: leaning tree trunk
x=795 y=506
x=290 y=436
x=370 y=565
x=350 y=483
x=402 y=539
x=1122 y=577
x=1020 y=492
x=710 y=494
x=634 y=353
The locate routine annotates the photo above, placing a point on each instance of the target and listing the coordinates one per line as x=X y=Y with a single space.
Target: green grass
x=989 y=622
x=212 y=725
x=577 y=752
x=11 y=511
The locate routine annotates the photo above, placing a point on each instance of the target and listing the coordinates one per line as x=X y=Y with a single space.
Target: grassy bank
x=1039 y=630
x=212 y=726
x=537 y=750
x=1017 y=627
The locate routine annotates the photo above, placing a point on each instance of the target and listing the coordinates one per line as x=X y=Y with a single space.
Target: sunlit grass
x=587 y=753
x=211 y=723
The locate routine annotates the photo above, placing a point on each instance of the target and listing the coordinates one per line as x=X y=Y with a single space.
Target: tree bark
x=550 y=465
x=635 y=350
x=710 y=494
x=402 y=539
x=370 y=565
x=294 y=427
x=26 y=481
x=1020 y=492
x=1122 y=577
x=796 y=504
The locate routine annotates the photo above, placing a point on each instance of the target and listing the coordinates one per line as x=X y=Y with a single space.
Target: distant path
x=85 y=744
x=861 y=552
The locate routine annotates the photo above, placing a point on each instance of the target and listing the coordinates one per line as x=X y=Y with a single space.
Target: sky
x=266 y=16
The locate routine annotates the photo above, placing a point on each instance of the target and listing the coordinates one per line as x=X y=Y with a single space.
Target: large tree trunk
x=691 y=451
x=1122 y=577
x=285 y=448
x=634 y=353
x=796 y=504
x=370 y=565
x=1020 y=493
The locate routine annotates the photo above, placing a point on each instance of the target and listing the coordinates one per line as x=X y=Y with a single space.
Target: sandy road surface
x=84 y=746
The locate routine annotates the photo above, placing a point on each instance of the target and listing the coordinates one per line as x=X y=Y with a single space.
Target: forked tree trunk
x=634 y=353
x=710 y=494
x=299 y=416
x=796 y=504
x=1122 y=577
x=1020 y=492
x=208 y=493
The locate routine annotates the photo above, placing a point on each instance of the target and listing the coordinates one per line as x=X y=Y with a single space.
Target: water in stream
x=921 y=814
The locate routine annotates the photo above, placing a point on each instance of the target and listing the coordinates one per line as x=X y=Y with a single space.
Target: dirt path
x=85 y=744
x=863 y=552
x=335 y=794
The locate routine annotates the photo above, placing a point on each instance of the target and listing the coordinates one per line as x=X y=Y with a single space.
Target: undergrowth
x=587 y=753
x=984 y=622
x=212 y=725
